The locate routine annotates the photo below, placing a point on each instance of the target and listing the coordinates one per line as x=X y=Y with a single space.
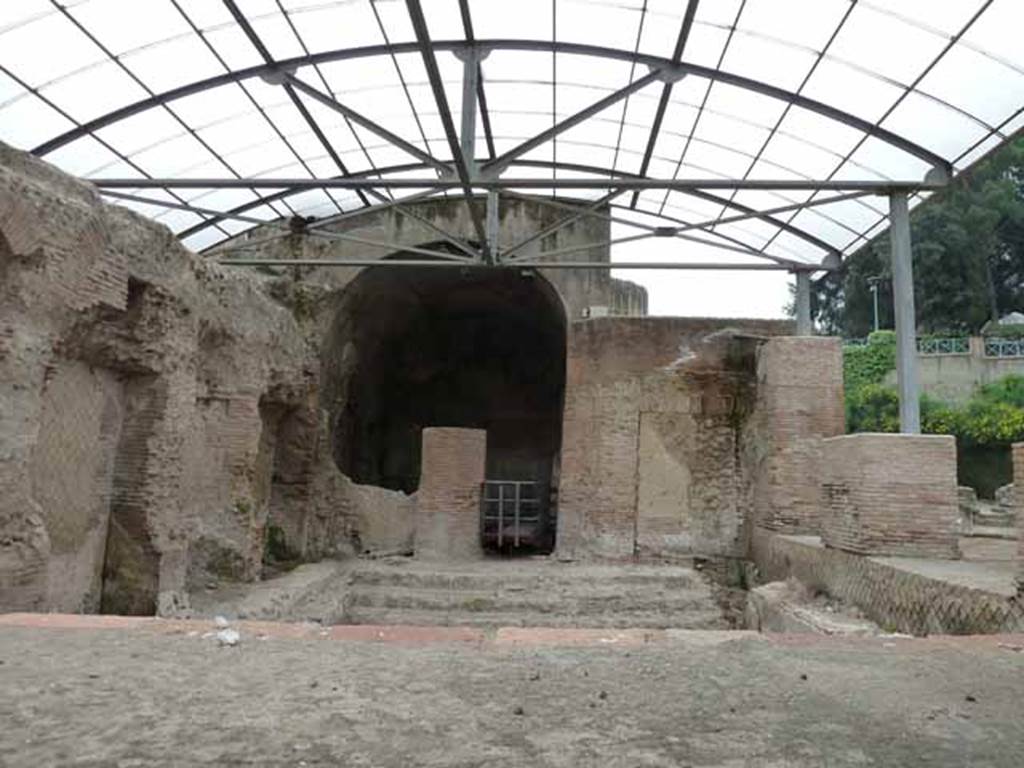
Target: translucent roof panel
x=215 y=115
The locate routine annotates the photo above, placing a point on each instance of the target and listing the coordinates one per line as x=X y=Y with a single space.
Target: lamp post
x=873 y=287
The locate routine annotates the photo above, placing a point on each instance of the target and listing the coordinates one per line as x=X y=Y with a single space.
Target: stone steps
x=474 y=600
x=678 y=579
x=711 y=618
x=531 y=593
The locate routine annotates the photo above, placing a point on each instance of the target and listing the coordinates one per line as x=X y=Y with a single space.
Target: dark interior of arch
x=415 y=347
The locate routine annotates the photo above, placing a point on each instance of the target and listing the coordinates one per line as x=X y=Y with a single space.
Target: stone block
x=448 y=501
x=890 y=494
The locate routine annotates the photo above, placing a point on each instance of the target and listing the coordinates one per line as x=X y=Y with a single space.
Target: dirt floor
x=101 y=692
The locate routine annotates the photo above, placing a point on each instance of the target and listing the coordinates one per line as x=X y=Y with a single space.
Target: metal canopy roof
x=764 y=127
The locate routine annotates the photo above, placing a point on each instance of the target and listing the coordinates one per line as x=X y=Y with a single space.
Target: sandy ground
x=161 y=693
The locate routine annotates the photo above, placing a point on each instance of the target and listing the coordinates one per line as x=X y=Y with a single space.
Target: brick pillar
x=885 y=494
x=1018 y=508
x=799 y=402
x=448 y=501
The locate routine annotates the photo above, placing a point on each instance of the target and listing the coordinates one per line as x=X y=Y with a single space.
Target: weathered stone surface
x=799 y=402
x=786 y=606
x=130 y=376
x=651 y=460
x=895 y=598
x=890 y=494
x=448 y=502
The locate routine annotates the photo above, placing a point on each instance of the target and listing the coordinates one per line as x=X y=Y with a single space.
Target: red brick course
x=886 y=494
x=799 y=402
x=448 y=501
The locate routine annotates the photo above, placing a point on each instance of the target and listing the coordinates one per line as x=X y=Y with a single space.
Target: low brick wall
x=448 y=500
x=885 y=494
x=896 y=600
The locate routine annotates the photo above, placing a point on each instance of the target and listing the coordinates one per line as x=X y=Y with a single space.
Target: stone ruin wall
x=799 y=403
x=890 y=494
x=160 y=415
x=141 y=391
x=670 y=434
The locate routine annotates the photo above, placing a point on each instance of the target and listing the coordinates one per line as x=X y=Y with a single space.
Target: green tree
x=968 y=257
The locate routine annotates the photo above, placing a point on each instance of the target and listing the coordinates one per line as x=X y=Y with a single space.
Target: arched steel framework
x=667 y=71
x=460 y=169
x=950 y=89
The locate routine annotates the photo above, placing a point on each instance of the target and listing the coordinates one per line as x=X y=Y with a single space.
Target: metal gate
x=513 y=514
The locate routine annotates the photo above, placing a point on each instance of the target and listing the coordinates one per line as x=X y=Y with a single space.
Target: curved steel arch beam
x=767 y=218
x=542 y=46
x=792 y=229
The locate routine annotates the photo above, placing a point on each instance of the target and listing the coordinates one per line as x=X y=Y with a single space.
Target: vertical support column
x=903 y=303
x=470 y=75
x=804 y=326
x=492 y=224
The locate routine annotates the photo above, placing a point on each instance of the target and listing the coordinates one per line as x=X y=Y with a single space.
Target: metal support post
x=470 y=79
x=903 y=304
x=804 y=326
x=493 y=225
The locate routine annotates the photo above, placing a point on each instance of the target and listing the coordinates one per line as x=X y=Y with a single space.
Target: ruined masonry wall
x=651 y=433
x=132 y=375
x=799 y=402
x=448 y=500
x=897 y=600
x=885 y=494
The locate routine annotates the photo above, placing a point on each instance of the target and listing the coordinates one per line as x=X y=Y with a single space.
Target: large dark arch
x=413 y=347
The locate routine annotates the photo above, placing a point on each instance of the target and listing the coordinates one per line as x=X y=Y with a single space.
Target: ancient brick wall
x=114 y=339
x=448 y=500
x=799 y=402
x=71 y=471
x=650 y=447
x=897 y=600
x=890 y=494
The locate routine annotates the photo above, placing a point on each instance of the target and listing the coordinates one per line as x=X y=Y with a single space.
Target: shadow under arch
x=414 y=347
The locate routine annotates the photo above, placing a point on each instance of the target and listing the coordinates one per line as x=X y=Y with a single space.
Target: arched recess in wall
x=414 y=347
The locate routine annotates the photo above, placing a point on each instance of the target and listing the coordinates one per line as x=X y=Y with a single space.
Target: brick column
x=890 y=494
x=448 y=501
x=799 y=402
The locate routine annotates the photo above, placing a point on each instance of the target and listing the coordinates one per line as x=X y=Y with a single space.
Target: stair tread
x=707 y=619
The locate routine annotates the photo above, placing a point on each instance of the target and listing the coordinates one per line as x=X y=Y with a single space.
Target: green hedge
x=993 y=416
x=867 y=365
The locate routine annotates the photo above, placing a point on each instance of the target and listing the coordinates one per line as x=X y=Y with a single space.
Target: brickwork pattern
x=71 y=469
x=886 y=494
x=70 y=244
x=448 y=500
x=896 y=600
x=96 y=286
x=799 y=402
x=679 y=377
